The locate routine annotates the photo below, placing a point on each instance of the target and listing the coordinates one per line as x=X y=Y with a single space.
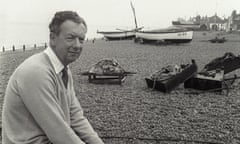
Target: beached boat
x=168 y=35
x=187 y=25
x=212 y=76
x=122 y=34
x=218 y=40
x=228 y=62
x=118 y=35
x=170 y=77
x=210 y=80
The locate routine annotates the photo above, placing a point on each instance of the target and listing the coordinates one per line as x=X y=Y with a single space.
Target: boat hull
x=169 y=37
x=202 y=82
x=228 y=62
x=118 y=35
x=168 y=85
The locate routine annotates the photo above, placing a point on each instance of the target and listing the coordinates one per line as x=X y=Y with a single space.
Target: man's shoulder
x=35 y=64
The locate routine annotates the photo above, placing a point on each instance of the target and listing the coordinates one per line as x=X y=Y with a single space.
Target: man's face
x=68 y=43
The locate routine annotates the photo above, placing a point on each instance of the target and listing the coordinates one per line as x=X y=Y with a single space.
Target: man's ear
x=52 y=39
x=52 y=36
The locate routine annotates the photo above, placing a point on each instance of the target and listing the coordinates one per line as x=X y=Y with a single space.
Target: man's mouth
x=74 y=52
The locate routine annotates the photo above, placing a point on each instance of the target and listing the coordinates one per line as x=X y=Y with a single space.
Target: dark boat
x=211 y=77
x=210 y=80
x=166 y=81
x=228 y=62
x=218 y=40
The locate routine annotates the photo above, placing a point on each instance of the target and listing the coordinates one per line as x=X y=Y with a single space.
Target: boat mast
x=134 y=14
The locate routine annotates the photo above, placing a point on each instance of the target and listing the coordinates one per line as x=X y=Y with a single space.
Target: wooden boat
x=228 y=62
x=218 y=40
x=169 y=35
x=118 y=35
x=210 y=80
x=166 y=80
x=187 y=25
x=122 y=34
x=211 y=77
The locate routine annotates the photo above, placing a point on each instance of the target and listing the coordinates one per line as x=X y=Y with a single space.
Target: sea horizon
x=29 y=33
x=19 y=34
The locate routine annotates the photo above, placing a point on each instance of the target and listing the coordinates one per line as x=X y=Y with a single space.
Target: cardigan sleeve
x=80 y=123
x=37 y=89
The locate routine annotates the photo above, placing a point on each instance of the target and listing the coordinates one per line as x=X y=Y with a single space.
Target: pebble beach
x=132 y=113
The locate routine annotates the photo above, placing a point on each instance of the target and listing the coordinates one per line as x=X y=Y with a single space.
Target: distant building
x=217 y=24
x=234 y=22
x=214 y=22
x=186 y=24
x=203 y=21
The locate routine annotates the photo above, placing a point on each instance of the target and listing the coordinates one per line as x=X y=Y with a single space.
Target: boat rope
x=154 y=84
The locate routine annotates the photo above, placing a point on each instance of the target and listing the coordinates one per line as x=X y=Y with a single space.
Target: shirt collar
x=57 y=64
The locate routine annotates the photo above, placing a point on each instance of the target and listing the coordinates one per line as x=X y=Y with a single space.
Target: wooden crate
x=111 y=78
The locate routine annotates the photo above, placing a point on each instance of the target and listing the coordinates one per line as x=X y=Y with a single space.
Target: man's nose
x=78 y=43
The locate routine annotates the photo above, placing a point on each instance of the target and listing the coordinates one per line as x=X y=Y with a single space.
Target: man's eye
x=81 y=40
x=70 y=38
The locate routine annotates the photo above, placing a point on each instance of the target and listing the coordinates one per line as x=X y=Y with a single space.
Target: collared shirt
x=57 y=64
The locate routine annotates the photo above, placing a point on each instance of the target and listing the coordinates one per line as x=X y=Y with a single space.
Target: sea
x=29 y=34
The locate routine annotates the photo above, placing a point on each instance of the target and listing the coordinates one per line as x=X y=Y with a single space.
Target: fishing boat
x=119 y=34
x=210 y=80
x=218 y=40
x=168 y=35
x=170 y=77
x=228 y=62
x=213 y=75
x=187 y=25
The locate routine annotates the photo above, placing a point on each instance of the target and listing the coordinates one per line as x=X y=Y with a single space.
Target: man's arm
x=38 y=92
x=79 y=122
x=81 y=125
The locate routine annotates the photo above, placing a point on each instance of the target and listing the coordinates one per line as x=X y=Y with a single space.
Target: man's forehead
x=71 y=27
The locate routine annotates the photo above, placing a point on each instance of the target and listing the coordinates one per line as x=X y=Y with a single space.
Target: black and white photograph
x=120 y=72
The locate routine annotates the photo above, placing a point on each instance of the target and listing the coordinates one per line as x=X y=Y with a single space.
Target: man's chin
x=72 y=59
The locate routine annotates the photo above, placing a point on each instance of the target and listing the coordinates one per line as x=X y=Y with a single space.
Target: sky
x=26 y=21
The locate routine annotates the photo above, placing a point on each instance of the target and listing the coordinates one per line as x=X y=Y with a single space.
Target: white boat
x=117 y=35
x=121 y=34
x=169 y=35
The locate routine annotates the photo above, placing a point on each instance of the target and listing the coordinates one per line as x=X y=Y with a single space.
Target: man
x=40 y=106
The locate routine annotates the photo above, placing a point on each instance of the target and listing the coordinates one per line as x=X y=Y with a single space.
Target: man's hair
x=61 y=17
